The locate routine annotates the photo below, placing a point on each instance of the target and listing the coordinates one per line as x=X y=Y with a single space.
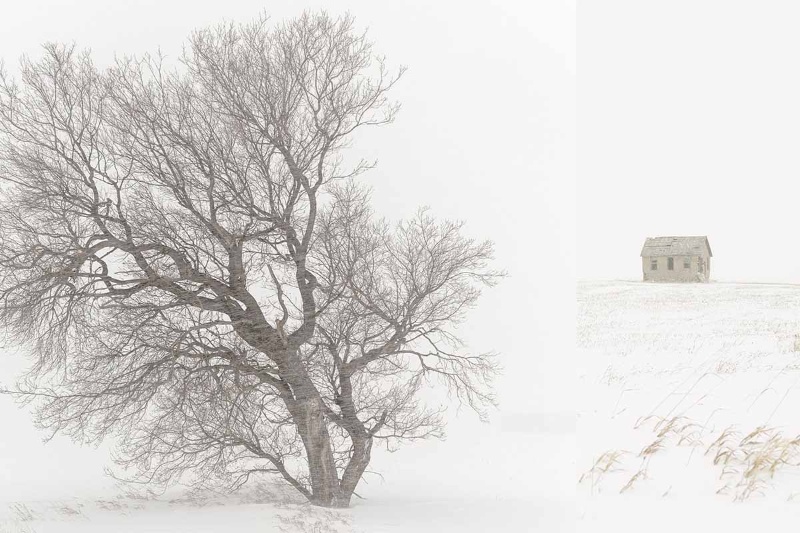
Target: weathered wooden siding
x=679 y=273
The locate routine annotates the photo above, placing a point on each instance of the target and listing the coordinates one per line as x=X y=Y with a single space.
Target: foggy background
x=486 y=134
x=690 y=125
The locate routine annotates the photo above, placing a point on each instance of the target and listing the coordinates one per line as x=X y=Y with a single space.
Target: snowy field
x=689 y=406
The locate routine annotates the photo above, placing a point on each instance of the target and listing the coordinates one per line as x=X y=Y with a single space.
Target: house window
x=687 y=263
x=654 y=264
x=700 y=265
x=670 y=263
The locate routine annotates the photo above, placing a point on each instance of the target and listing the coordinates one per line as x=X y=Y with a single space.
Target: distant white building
x=676 y=259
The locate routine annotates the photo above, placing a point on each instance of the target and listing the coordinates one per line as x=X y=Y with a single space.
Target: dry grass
x=677 y=428
x=641 y=474
x=652 y=448
x=609 y=461
x=748 y=464
x=724 y=446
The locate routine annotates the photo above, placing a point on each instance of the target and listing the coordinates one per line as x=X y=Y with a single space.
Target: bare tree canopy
x=194 y=269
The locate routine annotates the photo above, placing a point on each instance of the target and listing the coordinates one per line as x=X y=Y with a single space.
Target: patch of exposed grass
x=748 y=464
x=608 y=461
x=641 y=474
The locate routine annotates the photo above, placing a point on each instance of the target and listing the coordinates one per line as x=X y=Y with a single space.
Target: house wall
x=679 y=274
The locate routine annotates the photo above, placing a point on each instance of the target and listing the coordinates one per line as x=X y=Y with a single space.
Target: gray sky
x=690 y=125
x=486 y=134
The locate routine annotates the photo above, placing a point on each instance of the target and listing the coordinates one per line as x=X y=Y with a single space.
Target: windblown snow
x=688 y=406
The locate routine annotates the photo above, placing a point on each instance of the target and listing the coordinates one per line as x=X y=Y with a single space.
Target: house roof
x=660 y=246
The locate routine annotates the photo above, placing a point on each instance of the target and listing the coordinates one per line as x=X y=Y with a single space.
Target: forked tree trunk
x=308 y=416
x=326 y=488
x=308 y=413
x=310 y=422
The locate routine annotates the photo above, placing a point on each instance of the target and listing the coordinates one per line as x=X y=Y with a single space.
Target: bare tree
x=195 y=270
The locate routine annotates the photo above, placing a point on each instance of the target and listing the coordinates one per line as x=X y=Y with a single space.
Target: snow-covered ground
x=689 y=406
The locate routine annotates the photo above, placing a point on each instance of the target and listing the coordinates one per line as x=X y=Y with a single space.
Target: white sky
x=486 y=134
x=690 y=125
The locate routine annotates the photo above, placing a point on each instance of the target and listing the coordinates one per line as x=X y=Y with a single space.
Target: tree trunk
x=359 y=461
x=308 y=413
x=325 y=489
